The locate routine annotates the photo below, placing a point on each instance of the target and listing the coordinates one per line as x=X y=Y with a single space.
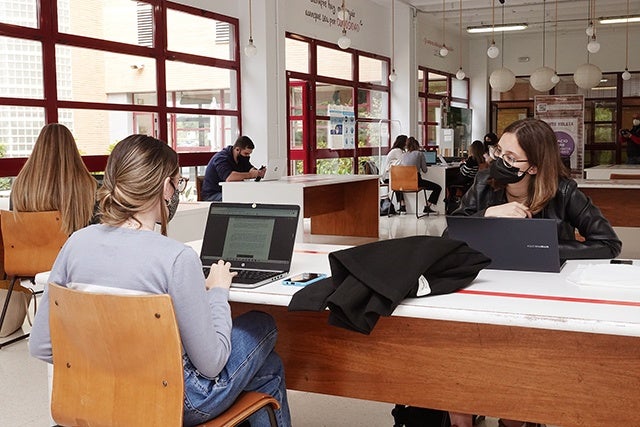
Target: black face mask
x=504 y=174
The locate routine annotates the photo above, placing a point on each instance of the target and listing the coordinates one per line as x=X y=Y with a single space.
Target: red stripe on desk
x=550 y=298
x=306 y=251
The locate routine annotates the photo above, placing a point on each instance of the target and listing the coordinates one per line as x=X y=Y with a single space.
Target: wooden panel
x=346 y=209
x=620 y=206
x=555 y=377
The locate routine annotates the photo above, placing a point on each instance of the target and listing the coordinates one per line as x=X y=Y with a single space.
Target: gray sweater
x=150 y=262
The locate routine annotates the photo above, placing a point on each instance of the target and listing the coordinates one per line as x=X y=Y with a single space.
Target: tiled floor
x=23 y=380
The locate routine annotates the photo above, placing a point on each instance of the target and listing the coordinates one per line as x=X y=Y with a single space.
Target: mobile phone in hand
x=304 y=279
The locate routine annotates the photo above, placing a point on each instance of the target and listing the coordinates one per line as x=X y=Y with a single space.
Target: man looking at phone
x=632 y=139
x=230 y=164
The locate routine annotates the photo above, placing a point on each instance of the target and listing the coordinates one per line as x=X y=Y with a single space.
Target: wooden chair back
x=118 y=362
x=199 y=181
x=31 y=241
x=117 y=359
x=624 y=176
x=403 y=178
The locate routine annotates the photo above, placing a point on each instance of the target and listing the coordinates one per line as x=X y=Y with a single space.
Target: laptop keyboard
x=247 y=276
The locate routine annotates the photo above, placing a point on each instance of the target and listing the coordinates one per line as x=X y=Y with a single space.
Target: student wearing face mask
x=631 y=137
x=230 y=164
x=221 y=357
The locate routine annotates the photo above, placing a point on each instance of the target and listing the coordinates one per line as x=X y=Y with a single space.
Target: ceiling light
x=250 y=49
x=485 y=29
x=619 y=19
x=344 y=42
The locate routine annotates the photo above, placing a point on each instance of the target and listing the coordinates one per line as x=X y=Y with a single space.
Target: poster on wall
x=342 y=127
x=565 y=115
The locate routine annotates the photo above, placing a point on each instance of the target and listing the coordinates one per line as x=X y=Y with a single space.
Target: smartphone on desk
x=303 y=279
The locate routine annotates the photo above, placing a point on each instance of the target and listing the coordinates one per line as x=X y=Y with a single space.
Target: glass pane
x=297 y=55
x=419 y=135
x=437 y=84
x=332 y=95
x=421 y=110
x=340 y=166
x=322 y=132
x=372 y=71
x=297 y=167
x=372 y=134
x=599 y=157
x=97 y=131
x=21 y=62
x=460 y=88
x=187 y=81
x=605 y=111
x=19 y=129
x=363 y=159
x=604 y=133
x=334 y=63
x=607 y=87
x=23 y=12
x=295 y=101
x=295 y=128
x=90 y=75
x=198 y=132
x=373 y=104
x=433 y=110
x=199 y=35
x=631 y=87
x=432 y=139
x=420 y=80
x=123 y=21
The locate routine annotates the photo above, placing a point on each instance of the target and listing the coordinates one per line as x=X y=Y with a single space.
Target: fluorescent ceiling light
x=488 y=29
x=619 y=19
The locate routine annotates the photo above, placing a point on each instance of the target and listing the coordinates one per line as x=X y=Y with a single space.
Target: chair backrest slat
x=117 y=359
x=403 y=178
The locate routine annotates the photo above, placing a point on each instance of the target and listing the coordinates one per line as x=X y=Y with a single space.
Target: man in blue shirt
x=230 y=164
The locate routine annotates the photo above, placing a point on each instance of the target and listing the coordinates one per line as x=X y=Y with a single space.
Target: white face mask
x=636 y=122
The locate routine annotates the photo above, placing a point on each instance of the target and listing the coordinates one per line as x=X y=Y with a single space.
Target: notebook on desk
x=511 y=243
x=257 y=239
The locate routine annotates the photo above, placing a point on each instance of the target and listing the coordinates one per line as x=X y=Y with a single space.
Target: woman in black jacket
x=527 y=179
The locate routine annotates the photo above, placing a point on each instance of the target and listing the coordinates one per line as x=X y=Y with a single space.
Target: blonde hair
x=55 y=178
x=134 y=179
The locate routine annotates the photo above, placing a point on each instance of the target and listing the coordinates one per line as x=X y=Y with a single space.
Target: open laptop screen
x=431 y=157
x=250 y=235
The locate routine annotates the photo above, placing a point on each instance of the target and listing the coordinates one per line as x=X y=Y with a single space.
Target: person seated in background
x=527 y=179
x=415 y=157
x=393 y=158
x=221 y=357
x=55 y=178
x=230 y=164
x=631 y=137
x=490 y=140
x=467 y=172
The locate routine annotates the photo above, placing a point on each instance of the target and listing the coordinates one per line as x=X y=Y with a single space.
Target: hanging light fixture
x=444 y=51
x=460 y=75
x=540 y=79
x=493 y=50
x=503 y=78
x=393 y=76
x=626 y=75
x=344 y=42
x=555 y=79
x=250 y=49
x=593 y=46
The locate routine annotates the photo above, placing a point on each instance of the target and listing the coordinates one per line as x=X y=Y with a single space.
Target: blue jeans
x=215 y=197
x=252 y=366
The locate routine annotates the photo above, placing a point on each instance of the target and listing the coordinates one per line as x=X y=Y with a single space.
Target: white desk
x=189 y=221
x=604 y=171
x=441 y=175
x=346 y=205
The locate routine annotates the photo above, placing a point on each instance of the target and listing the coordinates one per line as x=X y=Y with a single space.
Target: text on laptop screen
x=241 y=235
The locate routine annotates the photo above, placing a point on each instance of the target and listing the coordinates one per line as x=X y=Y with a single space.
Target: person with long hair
x=393 y=158
x=55 y=178
x=527 y=179
x=221 y=357
x=466 y=174
x=414 y=157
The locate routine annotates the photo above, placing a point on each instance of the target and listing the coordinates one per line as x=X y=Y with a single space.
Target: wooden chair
x=405 y=180
x=118 y=362
x=624 y=176
x=199 y=181
x=31 y=242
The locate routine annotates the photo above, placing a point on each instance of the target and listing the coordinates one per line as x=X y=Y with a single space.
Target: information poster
x=342 y=127
x=565 y=115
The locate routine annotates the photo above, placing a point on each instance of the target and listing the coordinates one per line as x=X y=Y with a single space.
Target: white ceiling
x=573 y=15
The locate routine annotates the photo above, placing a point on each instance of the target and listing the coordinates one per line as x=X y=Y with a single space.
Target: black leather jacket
x=572 y=210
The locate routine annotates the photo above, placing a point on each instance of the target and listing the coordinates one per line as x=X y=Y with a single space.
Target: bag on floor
x=18 y=306
x=412 y=416
x=386 y=207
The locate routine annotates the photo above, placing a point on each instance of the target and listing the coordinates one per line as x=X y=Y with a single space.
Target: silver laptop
x=527 y=244
x=274 y=171
x=257 y=239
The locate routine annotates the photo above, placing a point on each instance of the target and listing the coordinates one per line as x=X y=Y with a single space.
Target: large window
x=109 y=68
x=338 y=107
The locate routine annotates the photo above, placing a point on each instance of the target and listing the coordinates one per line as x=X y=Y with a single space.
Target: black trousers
x=429 y=185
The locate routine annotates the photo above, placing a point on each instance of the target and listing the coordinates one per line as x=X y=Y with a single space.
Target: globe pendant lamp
x=393 y=76
x=460 y=75
x=555 y=79
x=502 y=79
x=587 y=76
x=626 y=75
x=250 y=49
x=540 y=80
x=344 y=41
x=493 y=50
x=443 y=50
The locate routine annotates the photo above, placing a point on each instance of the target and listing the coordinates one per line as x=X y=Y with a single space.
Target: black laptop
x=527 y=244
x=257 y=239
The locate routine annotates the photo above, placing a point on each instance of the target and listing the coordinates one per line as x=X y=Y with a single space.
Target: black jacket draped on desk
x=369 y=281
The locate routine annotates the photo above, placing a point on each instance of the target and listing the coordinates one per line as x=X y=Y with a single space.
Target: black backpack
x=412 y=416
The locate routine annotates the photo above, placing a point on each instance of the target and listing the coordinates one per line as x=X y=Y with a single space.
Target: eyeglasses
x=182 y=184
x=496 y=153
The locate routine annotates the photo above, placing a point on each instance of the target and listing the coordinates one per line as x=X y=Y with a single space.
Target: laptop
x=274 y=171
x=431 y=157
x=526 y=244
x=443 y=161
x=257 y=239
